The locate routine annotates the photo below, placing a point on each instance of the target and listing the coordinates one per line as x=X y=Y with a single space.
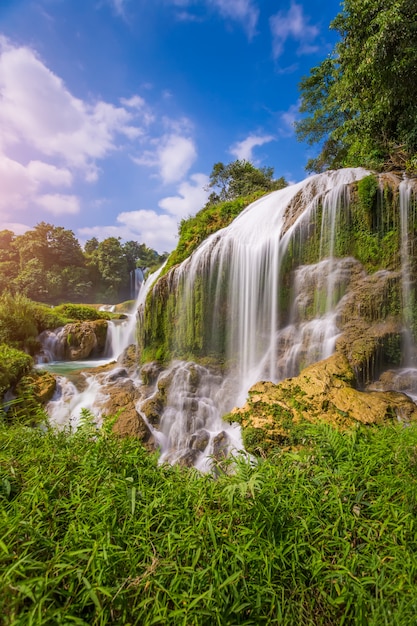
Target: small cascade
x=191 y=430
x=136 y=279
x=405 y=191
x=66 y=406
x=50 y=346
x=118 y=337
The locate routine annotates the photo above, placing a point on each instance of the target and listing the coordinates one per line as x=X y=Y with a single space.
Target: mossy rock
x=323 y=392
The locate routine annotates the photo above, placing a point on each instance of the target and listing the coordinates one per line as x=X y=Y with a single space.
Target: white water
x=405 y=190
x=65 y=407
x=242 y=265
x=247 y=256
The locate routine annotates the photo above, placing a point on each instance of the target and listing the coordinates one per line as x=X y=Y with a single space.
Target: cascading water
x=241 y=266
x=254 y=299
x=68 y=401
x=136 y=279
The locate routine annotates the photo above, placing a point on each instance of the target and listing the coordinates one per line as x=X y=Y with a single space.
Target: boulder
x=122 y=396
x=323 y=392
x=81 y=340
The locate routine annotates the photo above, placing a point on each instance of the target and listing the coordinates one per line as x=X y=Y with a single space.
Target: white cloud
x=157 y=231
x=292 y=24
x=289 y=118
x=38 y=112
x=59 y=204
x=20 y=184
x=16 y=227
x=173 y=156
x=41 y=172
x=176 y=156
x=135 y=102
x=243 y=149
x=191 y=197
x=244 y=11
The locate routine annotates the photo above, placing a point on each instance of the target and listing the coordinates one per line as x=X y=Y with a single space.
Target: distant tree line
x=48 y=264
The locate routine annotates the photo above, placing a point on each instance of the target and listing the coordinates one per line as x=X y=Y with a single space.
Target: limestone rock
x=122 y=396
x=80 y=340
x=324 y=391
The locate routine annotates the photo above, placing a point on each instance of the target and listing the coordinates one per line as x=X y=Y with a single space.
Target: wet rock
x=129 y=359
x=81 y=340
x=199 y=440
x=220 y=445
x=189 y=458
x=153 y=409
x=150 y=372
x=324 y=391
x=41 y=384
x=115 y=374
x=122 y=396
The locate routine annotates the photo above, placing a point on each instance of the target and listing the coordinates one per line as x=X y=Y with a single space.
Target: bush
x=13 y=365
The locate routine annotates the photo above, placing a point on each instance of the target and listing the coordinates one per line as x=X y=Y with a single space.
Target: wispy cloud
x=119 y=7
x=244 y=149
x=244 y=11
x=172 y=155
x=289 y=118
x=158 y=230
x=292 y=24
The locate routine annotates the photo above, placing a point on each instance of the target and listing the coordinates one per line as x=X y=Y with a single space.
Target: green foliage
x=240 y=178
x=210 y=219
x=13 y=365
x=94 y=532
x=361 y=101
x=81 y=312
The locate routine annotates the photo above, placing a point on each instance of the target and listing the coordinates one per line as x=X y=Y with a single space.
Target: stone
x=323 y=392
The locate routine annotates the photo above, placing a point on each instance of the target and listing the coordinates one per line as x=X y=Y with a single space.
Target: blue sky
x=113 y=112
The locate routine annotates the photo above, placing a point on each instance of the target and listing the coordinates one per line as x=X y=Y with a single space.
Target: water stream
x=241 y=270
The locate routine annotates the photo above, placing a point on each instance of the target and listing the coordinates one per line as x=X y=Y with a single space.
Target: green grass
x=94 y=532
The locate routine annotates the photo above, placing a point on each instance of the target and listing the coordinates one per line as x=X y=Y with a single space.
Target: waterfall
x=136 y=279
x=405 y=191
x=254 y=302
x=241 y=266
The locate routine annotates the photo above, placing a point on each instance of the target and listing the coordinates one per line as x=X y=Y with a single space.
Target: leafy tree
x=240 y=178
x=361 y=102
x=91 y=245
x=112 y=265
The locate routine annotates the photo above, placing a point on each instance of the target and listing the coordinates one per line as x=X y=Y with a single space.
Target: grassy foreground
x=94 y=532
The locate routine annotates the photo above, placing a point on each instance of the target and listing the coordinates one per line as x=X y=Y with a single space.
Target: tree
x=240 y=178
x=361 y=102
x=112 y=266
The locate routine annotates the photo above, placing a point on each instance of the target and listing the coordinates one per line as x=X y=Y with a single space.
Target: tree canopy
x=47 y=264
x=361 y=101
x=240 y=178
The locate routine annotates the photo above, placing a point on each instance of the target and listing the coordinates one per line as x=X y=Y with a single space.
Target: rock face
x=324 y=391
x=81 y=340
x=122 y=396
